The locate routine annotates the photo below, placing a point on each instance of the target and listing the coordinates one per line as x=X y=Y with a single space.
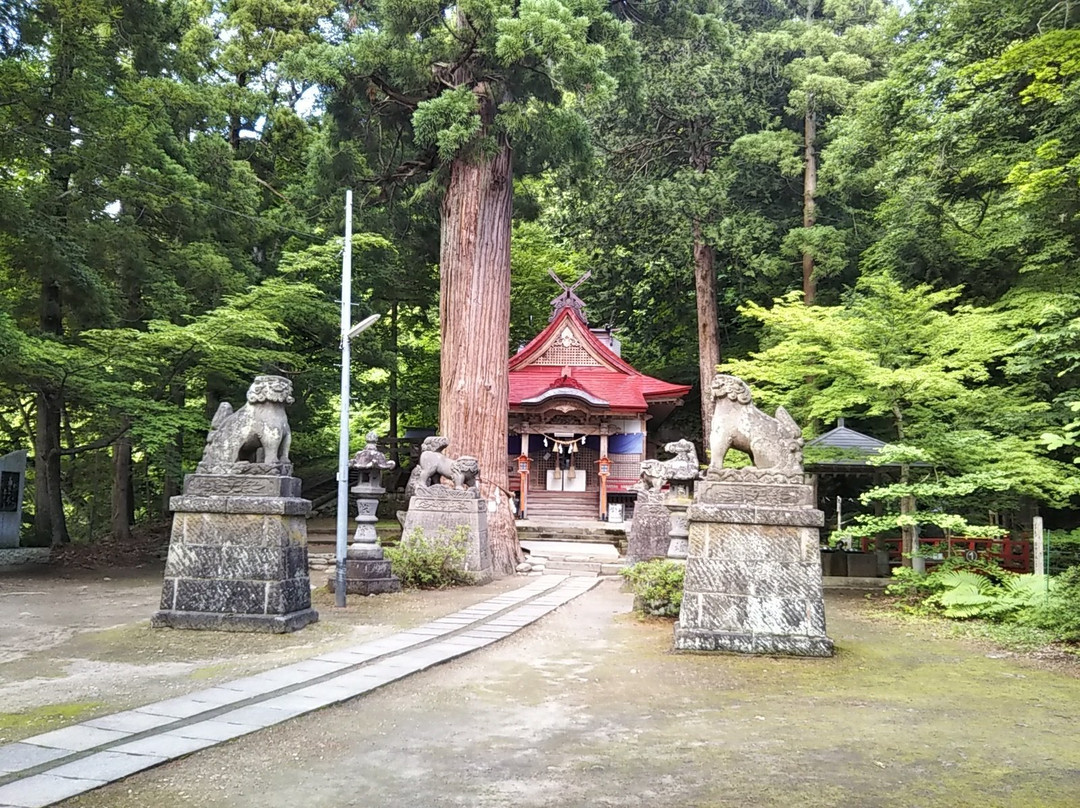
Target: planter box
x=834 y=563
x=862 y=565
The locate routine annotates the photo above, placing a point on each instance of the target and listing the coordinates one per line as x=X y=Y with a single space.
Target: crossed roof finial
x=568 y=300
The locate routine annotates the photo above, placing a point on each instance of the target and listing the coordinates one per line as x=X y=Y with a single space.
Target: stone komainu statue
x=773 y=443
x=463 y=473
x=258 y=432
x=653 y=476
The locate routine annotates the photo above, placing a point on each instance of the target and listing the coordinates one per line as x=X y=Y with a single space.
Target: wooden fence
x=1012 y=554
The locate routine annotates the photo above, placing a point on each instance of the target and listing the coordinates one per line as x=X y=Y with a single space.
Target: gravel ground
x=76 y=643
x=588 y=707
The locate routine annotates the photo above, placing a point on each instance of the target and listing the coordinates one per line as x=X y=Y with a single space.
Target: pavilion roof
x=847 y=439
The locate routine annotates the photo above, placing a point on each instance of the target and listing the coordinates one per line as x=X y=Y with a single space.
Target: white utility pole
x=348 y=333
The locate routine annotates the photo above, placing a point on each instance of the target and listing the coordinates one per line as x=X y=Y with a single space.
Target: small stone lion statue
x=258 y=432
x=653 y=476
x=684 y=465
x=772 y=443
x=463 y=473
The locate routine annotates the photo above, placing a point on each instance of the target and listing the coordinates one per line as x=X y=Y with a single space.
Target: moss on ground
x=43 y=719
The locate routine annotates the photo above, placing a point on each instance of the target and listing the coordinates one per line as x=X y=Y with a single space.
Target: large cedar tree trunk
x=809 y=198
x=50 y=524
x=705 y=287
x=708 y=326
x=474 y=313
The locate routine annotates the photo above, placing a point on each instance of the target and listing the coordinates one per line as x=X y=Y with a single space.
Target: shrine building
x=578 y=418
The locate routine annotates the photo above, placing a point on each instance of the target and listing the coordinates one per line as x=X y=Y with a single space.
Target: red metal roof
x=606 y=381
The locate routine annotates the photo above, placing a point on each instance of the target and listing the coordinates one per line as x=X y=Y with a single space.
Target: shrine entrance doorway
x=566 y=462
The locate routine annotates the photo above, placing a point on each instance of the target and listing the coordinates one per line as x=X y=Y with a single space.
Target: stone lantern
x=681 y=472
x=367 y=572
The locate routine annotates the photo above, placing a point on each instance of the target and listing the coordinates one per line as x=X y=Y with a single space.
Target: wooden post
x=1037 y=545
x=603 y=469
x=523 y=475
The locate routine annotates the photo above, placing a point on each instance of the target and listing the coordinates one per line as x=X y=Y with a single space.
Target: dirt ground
x=76 y=643
x=588 y=707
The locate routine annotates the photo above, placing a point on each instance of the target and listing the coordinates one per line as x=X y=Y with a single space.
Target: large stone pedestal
x=753 y=576
x=439 y=506
x=238 y=555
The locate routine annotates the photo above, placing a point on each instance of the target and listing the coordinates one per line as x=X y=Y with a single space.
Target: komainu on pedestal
x=434 y=506
x=753 y=574
x=238 y=549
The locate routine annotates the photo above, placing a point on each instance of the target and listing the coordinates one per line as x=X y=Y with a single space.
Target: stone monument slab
x=12 y=484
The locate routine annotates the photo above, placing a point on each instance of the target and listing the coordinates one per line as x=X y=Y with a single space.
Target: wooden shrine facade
x=578 y=417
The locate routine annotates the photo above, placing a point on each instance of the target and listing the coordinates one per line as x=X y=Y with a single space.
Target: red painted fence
x=1012 y=554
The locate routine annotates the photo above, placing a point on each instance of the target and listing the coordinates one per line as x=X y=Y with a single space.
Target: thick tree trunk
x=122 y=494
x=173 y=459
x=708 y=326
x=809 y=198
x=395 y=454
x=50 y=523
x=474 y=312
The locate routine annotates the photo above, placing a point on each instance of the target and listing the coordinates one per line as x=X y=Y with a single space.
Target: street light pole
x=349 y=332
x=343 y=422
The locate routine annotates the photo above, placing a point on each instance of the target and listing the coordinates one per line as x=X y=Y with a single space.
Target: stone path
x=47 y=768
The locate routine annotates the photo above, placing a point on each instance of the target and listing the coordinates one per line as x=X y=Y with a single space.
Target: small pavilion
x=847 y=473
x=579 y=414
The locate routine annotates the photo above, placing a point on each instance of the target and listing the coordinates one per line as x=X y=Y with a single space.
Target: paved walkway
x=47 y=768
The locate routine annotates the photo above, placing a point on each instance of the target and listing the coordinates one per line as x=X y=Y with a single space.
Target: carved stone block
x=239 y=565
x=431 y=514
x=753 y=575
x=238 y=548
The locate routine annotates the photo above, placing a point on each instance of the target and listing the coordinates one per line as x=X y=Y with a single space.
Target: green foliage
x=448 y=121
x=961 y=589
x=431 y=562
x=658 y=586
x=1061 y=613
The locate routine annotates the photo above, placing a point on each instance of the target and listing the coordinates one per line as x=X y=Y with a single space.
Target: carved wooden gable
x=566 y=349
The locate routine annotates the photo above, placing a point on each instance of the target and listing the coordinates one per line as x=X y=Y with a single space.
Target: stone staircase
x=582 y=558
x=563 y=506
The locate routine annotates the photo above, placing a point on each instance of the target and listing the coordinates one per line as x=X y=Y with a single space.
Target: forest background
x=867 y=210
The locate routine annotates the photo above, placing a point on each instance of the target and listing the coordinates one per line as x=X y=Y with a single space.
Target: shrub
x=658 y=585
x=1062 y=550
x=1060 y=614
x=967 y=594
x=915 y=588
x=968 y=589
x=434 y=562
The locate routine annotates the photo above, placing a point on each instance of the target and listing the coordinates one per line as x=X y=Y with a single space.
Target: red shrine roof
x=567 y=360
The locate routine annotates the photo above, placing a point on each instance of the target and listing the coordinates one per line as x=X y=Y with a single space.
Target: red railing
x=1012 y=554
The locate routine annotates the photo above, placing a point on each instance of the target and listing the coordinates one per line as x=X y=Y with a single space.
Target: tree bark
x=474 y=314
x=173 y=458
x=50 y=523
x=809 y=180
x=705 y=287
x=809 y=198
x=708 y=326
x=395 y=453
x=122 y=500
